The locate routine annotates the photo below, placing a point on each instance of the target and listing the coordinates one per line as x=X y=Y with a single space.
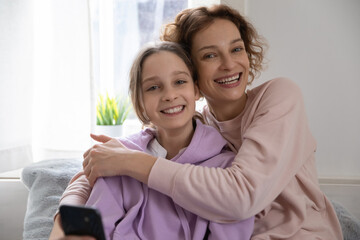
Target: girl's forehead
x=163 y=62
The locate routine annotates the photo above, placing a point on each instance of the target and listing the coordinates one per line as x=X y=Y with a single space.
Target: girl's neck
x=175 y=139
x=227 y=111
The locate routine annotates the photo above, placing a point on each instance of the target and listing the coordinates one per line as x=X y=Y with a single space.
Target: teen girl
x=163 y=94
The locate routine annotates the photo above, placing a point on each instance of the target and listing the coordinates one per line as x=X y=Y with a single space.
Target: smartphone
x=79 y=220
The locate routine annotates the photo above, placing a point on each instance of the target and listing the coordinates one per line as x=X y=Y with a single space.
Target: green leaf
x=111 y=110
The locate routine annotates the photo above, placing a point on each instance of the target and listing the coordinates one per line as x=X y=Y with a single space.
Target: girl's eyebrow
x=181 y=72
x=153 y=78
x=214 y=46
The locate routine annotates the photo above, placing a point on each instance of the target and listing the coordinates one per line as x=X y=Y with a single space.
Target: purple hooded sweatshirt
x=131 y=210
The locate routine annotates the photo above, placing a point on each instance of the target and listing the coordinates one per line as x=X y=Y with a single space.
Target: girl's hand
x=57 y=232
x=106 y=159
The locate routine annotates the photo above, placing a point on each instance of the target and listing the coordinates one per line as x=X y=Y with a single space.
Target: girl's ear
x=198 y=95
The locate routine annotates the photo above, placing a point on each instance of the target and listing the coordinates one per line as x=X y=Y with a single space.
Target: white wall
x=317 y=44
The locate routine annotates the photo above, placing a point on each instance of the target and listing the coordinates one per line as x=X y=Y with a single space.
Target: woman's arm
x=276 y=143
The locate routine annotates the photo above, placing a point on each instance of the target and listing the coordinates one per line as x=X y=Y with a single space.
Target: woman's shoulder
x=278 y=84
x=278 y=88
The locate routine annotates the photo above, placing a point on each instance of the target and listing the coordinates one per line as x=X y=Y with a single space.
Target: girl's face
x=222 y=63
x=168 y=90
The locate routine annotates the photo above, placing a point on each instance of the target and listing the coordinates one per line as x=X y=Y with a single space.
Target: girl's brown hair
x=190 y=21
x=135 y=89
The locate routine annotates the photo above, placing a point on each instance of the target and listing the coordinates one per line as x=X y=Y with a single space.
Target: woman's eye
x=238 y=49
x=179 y=82
x=209 y=55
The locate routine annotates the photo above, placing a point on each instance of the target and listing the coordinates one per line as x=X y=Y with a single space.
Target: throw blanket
x=46 y=181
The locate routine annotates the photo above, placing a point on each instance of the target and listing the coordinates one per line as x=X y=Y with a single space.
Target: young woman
x=273 y=175
x=163 y=94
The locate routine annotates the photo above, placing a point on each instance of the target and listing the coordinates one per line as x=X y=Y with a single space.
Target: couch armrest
x=13 y=202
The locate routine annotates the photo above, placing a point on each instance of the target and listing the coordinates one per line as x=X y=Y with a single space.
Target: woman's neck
x=227 y=111
x=175 y=139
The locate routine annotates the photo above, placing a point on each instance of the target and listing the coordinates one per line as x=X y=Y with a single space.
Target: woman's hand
x=106 y=159
x=112 y=158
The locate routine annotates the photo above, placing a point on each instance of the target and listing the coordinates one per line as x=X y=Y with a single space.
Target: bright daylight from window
x=119 y=29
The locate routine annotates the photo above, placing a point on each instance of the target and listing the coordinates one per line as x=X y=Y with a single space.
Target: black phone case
x=77 y=220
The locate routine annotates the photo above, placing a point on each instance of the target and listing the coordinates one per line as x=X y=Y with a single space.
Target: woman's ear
x=198 y=95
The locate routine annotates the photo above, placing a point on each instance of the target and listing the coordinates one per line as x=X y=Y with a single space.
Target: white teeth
x=229 y=80
x=173 y=110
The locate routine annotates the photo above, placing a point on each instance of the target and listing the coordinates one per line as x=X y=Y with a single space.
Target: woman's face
x=169 y=93
x=222 y=63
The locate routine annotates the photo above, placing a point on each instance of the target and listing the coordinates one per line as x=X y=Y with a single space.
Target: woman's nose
x=227 y=62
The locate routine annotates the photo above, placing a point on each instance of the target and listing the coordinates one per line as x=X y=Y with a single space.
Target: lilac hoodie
x=131 y=210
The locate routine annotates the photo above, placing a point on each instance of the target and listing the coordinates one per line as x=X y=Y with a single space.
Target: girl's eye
x=152 y=88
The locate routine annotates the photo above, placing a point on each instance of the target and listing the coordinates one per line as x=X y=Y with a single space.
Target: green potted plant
x=111 y=112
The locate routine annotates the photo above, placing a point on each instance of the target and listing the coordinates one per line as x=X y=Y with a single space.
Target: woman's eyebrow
x=236 y=40
x=214 y=46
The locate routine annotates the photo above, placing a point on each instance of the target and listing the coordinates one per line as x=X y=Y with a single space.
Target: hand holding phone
x=79 y=220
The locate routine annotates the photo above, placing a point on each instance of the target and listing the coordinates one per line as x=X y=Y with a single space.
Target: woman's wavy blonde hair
x=190 y=21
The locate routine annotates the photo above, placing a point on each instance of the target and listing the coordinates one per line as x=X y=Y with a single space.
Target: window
x=119 y=29
x=47 y=91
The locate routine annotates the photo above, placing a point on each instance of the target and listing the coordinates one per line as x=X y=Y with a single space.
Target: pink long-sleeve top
x=273 y=175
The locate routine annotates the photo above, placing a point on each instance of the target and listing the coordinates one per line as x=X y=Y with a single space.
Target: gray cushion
x=350 y=225
x=46 y=181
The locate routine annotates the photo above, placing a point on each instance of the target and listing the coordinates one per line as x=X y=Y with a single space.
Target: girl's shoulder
x=138 y=140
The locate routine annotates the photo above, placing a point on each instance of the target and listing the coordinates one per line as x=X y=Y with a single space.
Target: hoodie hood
x=206 y=143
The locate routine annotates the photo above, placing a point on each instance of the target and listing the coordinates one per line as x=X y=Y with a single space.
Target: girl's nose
x=227 y=62
x=169 y=95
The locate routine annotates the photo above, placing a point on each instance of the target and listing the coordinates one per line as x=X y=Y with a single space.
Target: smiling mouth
x=173 y=110
x=229 y=80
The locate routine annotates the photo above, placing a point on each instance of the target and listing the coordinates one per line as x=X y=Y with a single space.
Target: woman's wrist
x=139 y=165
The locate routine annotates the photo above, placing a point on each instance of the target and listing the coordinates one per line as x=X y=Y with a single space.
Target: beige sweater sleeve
x=276 y=142
x=77 y=192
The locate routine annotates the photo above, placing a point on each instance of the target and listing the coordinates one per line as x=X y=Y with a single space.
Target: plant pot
x=109 y=130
